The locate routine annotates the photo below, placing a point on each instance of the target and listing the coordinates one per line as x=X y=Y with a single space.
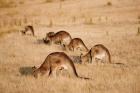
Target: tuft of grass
x=49 y=1
x=107 y=33
x=21 y=2
x=138 y=32
x=50 y=23
x=73 y=18
x=3 y=33
x=88 y=21
x=6 y=4
x=109 y=3
x=62 y=0
x=138 y=19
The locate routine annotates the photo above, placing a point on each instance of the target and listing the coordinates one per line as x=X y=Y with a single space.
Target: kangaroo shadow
x=39 y=41
x=76 y=59
x=42 y=41
x=26 y=71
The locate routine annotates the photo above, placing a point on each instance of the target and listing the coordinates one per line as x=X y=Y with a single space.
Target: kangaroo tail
x=121 y=64
x=86 y=78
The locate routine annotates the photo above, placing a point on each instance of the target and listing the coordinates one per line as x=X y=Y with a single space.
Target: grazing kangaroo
x=61 y=37
x=27 y=29
x=97 y=53
x=76 y=44
x=56 y=61
x=50 y=34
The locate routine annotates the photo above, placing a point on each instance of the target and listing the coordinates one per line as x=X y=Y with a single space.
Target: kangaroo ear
x=35 y=74
x=80 y=60
x=34 y=67
x=46 y=41
x=81 y=55
x=64 y=45
x=22 y=31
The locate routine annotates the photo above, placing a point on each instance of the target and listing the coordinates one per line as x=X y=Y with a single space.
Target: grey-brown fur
x=76 y=44
x=27 y=29
x=61 y=37
x=97 y=53
x=55 y=61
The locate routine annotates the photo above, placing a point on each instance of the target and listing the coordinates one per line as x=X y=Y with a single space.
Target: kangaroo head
x=23 y=32
x=28 y=27
x=46 y=41
x=48 y=37
x=34 y=68
x=50 y=34
x=35 y=71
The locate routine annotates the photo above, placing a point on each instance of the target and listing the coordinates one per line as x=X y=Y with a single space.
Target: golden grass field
x=113 y=23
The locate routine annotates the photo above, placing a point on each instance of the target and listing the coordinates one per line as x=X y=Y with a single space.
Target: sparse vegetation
x=139 y=19
x=109 y=3
x=107 y=33
x=73 y=18
x=21 y=2
x=7 y=4
x=88 y=21
x=5 y=32
x=62 y=0
x=138 y=32
x=50 y=23
x=4 y=4
x=105 y=77
x=49 y=1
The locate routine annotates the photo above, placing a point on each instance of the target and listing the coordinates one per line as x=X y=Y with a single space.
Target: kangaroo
x=27 y=29
x=97 y=53
x=48 y=35
x=56 y=61
x=76 y=44
x=61 y=37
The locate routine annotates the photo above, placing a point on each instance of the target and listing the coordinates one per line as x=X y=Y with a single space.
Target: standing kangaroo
x=61 y=37
x=27 y=29
x=56 y=61
x=97 y=53
x=76 y=44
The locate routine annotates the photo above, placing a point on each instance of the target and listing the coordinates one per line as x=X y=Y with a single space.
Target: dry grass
x=139 y=19
x=19 y=53
x=109 y=4
x=50 y=23
x=4 y=32
x=4 y=4
x=88 y=21
x=138 y=32
x=106 y=78
x=49 y=1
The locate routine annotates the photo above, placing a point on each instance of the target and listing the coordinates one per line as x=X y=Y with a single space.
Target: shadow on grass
x=26 y=71
x=40 y=41
x=76 y=59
